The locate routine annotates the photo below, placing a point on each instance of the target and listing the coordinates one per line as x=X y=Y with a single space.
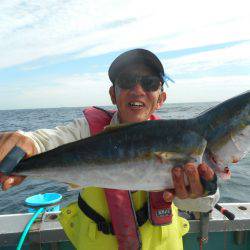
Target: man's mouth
x=136 y=104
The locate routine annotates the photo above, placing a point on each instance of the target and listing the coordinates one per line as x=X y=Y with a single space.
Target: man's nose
x=138 y=89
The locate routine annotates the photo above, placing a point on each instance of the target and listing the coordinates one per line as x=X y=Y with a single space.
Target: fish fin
x=162 y=157
x=167 y=156
x=73 y=186
x=115 y=127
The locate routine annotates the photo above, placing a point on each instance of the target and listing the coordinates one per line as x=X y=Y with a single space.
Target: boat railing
x=47 y=228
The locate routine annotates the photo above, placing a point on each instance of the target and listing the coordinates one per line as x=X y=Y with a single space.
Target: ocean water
x=237 y=189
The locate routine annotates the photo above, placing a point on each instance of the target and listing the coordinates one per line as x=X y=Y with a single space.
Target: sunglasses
x=148 y=83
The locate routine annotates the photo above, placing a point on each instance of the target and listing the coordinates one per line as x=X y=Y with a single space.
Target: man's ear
x=112 y=94
x=162 y=98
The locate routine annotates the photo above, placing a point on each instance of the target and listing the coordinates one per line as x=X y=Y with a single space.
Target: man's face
x=136 y=104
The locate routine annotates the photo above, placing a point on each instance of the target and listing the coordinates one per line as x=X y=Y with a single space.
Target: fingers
x=11 y=139
x=8 y=141
x=208 y=179
x=206 y=172
x=3 y=178
x=187 y=181
x=168 y=195
x=10 y=181
x=179 y=183
x=196 y=188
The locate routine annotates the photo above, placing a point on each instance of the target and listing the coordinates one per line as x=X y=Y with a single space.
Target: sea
x=236 y=189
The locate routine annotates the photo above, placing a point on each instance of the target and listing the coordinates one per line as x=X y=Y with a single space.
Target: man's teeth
x=136 y=104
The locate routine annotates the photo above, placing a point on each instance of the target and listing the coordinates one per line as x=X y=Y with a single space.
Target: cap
x=135 y=56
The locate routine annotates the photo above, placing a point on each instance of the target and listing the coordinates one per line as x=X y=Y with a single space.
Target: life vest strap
x=102 y=224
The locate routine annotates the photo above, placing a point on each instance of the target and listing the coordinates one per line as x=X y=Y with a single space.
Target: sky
x=56 y=53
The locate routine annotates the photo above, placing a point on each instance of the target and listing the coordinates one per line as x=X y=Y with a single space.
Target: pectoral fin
x=162 y=157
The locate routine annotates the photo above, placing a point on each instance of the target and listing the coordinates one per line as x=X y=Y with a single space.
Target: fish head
x=228 y=150
x=227 y=132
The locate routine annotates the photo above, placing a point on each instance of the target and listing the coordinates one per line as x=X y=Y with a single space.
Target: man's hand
x=8 y=141
x=193 y=174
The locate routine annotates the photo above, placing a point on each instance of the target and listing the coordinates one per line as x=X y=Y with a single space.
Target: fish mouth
x=219 y=168
x=222 y=170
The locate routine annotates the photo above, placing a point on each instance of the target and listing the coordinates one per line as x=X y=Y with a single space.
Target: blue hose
x=27 y=228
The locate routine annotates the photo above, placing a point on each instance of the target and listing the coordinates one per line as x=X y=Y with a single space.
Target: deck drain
x=242 y=208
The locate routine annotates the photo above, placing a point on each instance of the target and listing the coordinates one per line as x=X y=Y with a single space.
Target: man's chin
x=134 y=115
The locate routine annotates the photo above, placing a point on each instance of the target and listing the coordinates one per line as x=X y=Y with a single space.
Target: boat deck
x=47 y=233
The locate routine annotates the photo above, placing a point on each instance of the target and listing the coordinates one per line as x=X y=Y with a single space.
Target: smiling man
x=108 y=218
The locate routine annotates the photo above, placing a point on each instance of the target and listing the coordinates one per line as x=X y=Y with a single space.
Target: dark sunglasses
x=148 y=83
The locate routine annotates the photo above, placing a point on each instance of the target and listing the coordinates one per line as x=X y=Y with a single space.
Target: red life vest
x=122 y=213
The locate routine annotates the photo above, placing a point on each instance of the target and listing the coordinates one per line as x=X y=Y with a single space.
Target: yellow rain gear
x=84 y=235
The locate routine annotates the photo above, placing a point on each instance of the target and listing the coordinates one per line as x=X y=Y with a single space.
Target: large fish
x=140 y=156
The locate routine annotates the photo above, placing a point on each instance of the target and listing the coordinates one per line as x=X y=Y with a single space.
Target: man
x=138 y=220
